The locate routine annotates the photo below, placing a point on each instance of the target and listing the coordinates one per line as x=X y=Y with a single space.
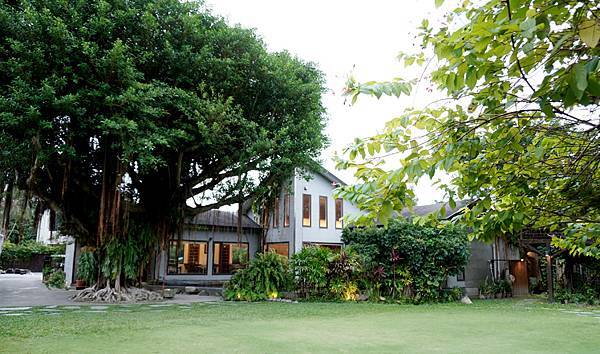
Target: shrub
x=451 y=295
x=87 y=267
x=343 y=272
x=487 y=288
x=310 y=267
x=22 y=252
x=56 y=279
x=409 y=260
x=266 y=275
x=586 y=295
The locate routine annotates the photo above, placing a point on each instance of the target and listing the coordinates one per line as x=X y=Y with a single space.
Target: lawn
x=486 y=326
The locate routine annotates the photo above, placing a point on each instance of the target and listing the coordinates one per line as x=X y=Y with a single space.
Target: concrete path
x=28 y=290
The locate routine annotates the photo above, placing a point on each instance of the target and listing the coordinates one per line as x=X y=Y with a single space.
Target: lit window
x=286 y=211
x=276 y=213
x=189 y=257
x=323 y=212
x=281 y=248
x=339 y=213
x=229 y=257
x=306 y=210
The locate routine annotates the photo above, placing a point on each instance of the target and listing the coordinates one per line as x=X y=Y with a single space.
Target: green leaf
x=594 y=86
x=530 y=13
x=589 y=32
x=578 y=81
x=438 y=3
x=452 y=203
x=527 y=27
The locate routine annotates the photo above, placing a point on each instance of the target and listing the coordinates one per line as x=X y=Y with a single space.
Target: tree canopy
x=518 y=131
x=116 y=112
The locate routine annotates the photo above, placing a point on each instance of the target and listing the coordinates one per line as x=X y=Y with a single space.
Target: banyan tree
x=127 y=115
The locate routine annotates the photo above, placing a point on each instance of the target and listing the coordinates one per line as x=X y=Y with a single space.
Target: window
x=276 y=213
x=461 y=275
x=306 y=210
x=332 y=246
x=339 y=213
x=286 y=211
x=228 y=257
x=323 y=212
x=191 y=257
x=281 y=248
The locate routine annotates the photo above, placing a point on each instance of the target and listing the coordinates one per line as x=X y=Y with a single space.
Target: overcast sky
x=342 y=37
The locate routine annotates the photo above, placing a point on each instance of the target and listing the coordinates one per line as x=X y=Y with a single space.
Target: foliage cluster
x=87 y=268
x=404 y=262
x=56 y=279
x=125 y=258
x=517 y=128
x=322 y=273
x=496 y=288
x=585 y=295
x=314 y=273
x=309 y=267
x=13 y=253
x=409 y=261
x=266 y=275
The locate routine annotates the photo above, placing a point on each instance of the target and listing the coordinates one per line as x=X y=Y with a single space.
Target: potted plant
x=86 y=269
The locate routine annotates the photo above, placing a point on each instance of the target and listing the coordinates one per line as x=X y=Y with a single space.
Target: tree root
x=110 y=295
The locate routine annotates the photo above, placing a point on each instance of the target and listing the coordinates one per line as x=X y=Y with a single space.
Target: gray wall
x=477 y=268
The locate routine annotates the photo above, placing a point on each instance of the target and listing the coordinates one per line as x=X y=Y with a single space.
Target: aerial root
x=110 y=295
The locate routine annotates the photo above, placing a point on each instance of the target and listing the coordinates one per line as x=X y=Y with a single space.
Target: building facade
x=210 y=248
x=308 y=213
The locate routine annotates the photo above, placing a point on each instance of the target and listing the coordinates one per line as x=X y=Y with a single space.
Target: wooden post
x=549 y=278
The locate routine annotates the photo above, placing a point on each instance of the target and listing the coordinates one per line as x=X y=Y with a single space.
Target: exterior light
x=522 y=260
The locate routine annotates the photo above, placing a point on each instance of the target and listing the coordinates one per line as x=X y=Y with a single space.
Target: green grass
x=486 y=326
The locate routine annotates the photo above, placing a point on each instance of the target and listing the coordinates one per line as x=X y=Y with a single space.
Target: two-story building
x=308 y=214
x=211 y=249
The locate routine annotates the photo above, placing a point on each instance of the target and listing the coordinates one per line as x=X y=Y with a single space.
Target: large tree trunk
x=4 y=227
x=25 y=196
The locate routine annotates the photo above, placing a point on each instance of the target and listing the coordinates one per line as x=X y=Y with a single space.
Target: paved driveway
x=28 y=290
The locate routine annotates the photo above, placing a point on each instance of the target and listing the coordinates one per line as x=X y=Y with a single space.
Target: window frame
x=214 y=246
x=341 y=219
x=276 y=214
x=323 y=197
x=286 y=210
x=309 y=198
x=280 y=243
x=331 y=246
x=461 y=275
x=178 y=246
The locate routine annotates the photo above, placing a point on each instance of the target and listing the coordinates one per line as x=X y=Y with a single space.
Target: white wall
x=43 y=233
x=70 y=262
x=317 y=186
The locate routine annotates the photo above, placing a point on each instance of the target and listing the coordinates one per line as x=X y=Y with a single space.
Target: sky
x=343 y=37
